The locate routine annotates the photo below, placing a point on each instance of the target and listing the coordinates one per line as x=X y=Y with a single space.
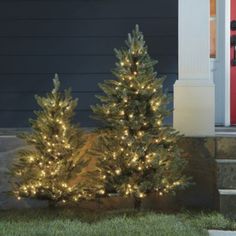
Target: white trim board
x=227 y=10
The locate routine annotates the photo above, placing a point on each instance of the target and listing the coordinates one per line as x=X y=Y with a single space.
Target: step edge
x=227 y=191
x=227 y=161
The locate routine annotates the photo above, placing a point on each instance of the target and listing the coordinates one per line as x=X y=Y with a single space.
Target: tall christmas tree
x=44 y=172
x=137 y=154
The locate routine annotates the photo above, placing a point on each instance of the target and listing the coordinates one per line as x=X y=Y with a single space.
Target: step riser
x=226 y=174
x=227 y=200
x=225 y=147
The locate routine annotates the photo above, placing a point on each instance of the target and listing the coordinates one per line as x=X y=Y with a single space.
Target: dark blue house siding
x=75 y=39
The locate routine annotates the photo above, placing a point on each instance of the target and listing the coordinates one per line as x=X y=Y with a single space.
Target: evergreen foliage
x=137 y=154
x=45 y=170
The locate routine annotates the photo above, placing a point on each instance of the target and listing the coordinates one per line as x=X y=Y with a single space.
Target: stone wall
x=202 y=194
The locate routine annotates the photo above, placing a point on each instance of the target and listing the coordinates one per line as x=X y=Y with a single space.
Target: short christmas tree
x=137 y=154
x=44 y=172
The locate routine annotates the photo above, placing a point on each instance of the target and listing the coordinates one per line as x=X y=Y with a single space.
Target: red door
x=233 y=71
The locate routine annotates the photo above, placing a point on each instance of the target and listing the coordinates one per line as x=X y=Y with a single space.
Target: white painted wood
x=217 y=65
x=194 y=92
x=220 y=67
x=226 y=47
x=194 y=39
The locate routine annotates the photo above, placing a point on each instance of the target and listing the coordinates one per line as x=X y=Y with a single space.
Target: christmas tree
x=137 y=155
x=45 y=170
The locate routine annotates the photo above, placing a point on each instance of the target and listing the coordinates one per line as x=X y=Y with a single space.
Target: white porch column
x=194 y=91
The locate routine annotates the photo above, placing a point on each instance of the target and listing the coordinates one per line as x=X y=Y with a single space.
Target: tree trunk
x=137 y=203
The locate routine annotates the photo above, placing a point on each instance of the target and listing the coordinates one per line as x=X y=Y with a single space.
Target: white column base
x=194 y=107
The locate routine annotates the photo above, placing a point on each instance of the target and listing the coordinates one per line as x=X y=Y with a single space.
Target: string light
x=31 y=158
x=140 y=133
x=118 y=171
x=102 y=191
x=126 y=132
x=141 y=195
x=122 y=112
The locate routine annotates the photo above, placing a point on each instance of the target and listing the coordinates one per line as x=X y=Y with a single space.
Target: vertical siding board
x=76 y=40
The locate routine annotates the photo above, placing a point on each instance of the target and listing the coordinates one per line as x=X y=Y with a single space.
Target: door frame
x=220 y=65
x=227 y=75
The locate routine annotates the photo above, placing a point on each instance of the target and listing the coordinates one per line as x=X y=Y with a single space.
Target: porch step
x=226 y=174
x=227 y=199
x=226 y=183
x=225 y=147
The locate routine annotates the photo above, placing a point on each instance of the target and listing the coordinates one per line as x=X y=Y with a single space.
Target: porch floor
x=225 y=131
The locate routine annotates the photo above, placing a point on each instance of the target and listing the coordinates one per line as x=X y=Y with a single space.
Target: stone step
x=226 y=174
x=227 y=202
x=225 y=147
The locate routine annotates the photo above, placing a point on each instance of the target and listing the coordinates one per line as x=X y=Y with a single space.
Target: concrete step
x=226 y=174
x=227 y=204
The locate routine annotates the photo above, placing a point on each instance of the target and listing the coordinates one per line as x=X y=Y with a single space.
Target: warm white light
x=118 y=171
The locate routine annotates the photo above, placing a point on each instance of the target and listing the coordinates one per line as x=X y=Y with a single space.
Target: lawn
x=72 y=223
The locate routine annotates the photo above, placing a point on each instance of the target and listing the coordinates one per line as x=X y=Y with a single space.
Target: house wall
x=75 y=39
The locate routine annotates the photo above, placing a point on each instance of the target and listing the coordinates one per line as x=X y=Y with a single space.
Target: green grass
x=71 y=223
